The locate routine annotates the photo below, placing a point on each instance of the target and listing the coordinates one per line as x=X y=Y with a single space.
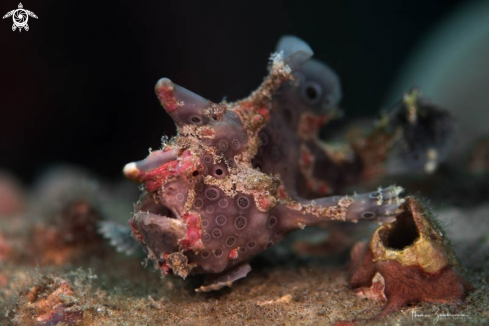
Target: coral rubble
x=408 y=261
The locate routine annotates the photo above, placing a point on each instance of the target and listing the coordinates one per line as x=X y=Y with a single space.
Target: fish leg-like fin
x=119 y=236
x=14 y=27
x=380 y=206
x=215 y=282
x=26 y=27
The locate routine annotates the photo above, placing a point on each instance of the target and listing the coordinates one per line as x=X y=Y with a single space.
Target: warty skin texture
x=236 y=178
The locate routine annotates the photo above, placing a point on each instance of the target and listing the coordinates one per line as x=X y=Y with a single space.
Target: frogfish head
x=200 y=208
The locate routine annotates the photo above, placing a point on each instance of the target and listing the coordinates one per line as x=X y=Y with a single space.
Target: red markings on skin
x=233 y=254
x=165 y=269
x=189 y=166
x=192 y=239
x=266 y=202
x=251 y=118
x=264 y=112
x=157 y=177
x=306 y=158
x=323 y=189
x=207 y=132
x=257 y=120
x=306 y=162
x=310 y=125
x=282 y=192
x=167 y=98
x=135 y=232
x=248 y=105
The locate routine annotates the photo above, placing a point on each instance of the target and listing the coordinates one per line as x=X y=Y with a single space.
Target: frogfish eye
x=312 y=92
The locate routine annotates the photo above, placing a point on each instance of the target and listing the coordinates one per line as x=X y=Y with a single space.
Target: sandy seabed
x=88 y=283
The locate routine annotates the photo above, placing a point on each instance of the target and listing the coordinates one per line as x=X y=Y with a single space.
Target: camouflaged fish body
x=225 y=187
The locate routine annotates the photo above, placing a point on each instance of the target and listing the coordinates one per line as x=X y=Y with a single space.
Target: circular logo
x=20 y=18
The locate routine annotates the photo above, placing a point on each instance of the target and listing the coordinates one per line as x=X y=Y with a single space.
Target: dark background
x=78 y=87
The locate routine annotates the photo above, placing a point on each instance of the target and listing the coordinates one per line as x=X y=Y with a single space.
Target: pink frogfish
x=238 y=177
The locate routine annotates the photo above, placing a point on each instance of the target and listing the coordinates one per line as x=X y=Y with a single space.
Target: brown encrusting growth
x=69 y=236
x=63 y=226
x=408 y=261
x=49 y=304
